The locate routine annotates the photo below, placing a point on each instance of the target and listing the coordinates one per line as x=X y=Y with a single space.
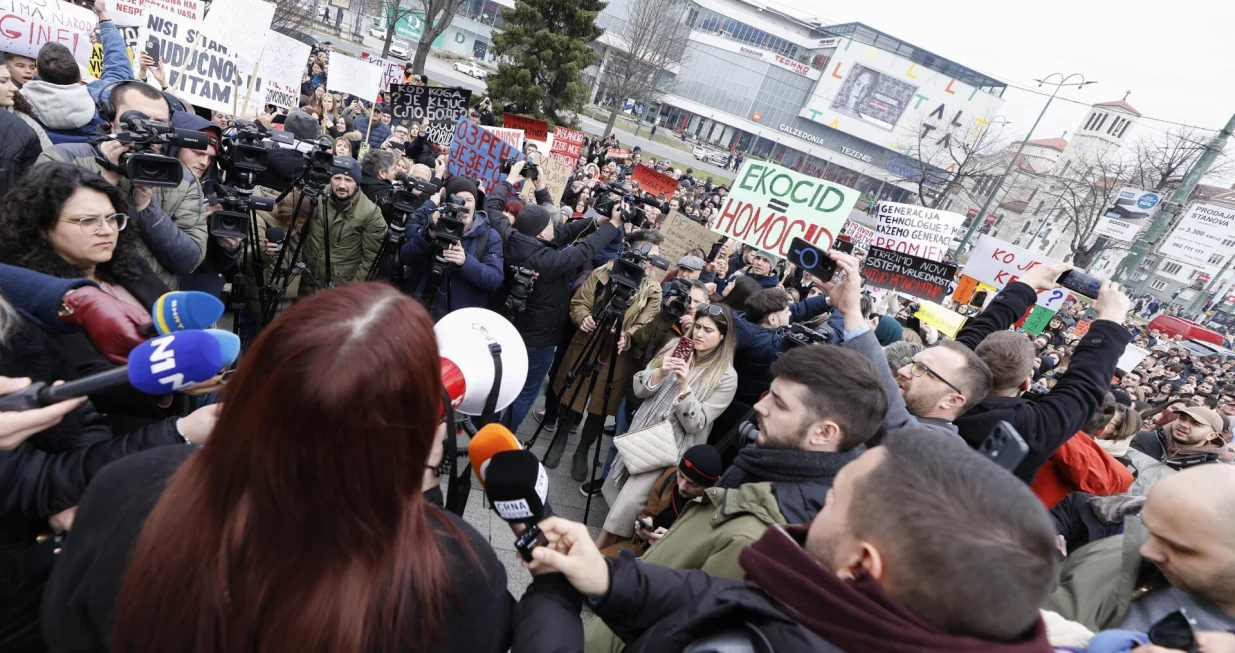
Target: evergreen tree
x=546 y=42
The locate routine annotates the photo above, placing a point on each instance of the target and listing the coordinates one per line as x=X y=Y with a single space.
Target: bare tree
x=291 y=15
x=945 y=158
x=432 y=16
x=652 y=37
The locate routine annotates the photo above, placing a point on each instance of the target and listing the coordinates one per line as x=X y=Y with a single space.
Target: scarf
x=656 y=409
x=755 y=465
x=857 y=614
x=1117 y=448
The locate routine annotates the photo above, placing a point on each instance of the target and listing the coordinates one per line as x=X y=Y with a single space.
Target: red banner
x=656 y=183
x=533 y=129
x=567 y=145
x=614 y=153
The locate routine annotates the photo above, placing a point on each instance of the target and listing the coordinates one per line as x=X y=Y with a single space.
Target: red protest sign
x=614 y=153
x=656 y=183
x=533 y=129
x=567 y=145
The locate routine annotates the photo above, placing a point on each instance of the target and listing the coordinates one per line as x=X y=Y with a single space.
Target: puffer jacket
x=19 y=149
x=356 y=233
x=173 y=227
x=67 y=111
x=470 y=283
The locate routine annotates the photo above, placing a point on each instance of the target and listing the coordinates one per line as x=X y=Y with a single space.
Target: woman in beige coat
x=689 y=393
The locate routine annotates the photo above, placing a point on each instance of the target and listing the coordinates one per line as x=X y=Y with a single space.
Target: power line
x=1082 y=103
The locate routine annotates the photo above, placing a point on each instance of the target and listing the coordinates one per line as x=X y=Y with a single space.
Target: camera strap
x=495 y=350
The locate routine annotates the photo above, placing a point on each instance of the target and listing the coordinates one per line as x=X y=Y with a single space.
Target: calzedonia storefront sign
x=840 y=143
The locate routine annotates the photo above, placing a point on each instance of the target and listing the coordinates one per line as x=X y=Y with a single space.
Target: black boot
x=554 y=454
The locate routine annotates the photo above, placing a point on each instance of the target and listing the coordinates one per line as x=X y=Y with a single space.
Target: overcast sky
x=1175 y=57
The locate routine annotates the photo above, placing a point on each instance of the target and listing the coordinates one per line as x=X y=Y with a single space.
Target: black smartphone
x=1004 y=446
x=152 y=49
x=811 y=259
x=645 y=524
x=843 y=246
x=1080 y=283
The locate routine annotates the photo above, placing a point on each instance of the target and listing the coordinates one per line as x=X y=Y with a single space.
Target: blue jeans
x=539 y=359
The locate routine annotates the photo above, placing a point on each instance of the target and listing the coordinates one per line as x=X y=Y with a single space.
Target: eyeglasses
x=918 y=368
x=1174 y=631
x=93 y=225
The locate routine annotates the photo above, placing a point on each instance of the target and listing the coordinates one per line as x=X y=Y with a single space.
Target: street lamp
x=1063 y=81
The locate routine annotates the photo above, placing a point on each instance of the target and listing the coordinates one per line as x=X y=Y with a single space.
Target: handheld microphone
x=518 y=488
x=276 y=236
x=229 y=345
x=488 y=441
x=185 y=309
x=165 y=364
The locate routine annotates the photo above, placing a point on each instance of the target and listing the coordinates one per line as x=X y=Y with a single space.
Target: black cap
x=532 y=220
x=701 y=464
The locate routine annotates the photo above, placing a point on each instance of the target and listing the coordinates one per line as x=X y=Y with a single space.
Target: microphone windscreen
x=518 y=486
x=489 y=440
x=229 y=345
x=275 y=234
x=174 y=361
x=192 y=139
x=185 y=309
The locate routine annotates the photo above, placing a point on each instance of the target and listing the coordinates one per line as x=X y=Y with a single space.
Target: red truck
x=1185 y=329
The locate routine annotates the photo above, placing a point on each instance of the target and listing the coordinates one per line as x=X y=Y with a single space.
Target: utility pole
x=981 y=217
x=1171 y=208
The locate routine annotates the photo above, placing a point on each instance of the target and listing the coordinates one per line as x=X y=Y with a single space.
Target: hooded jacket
x=356 y=233
x=470 y=283
x=67 y=111
x=19 y=149
x=209 y=277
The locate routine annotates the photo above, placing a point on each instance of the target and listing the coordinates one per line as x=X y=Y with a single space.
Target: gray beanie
x=301 y=125
x=532 y=220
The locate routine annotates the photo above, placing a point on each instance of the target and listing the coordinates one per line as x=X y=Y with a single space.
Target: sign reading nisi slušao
x=206 y=74
x=770 y=205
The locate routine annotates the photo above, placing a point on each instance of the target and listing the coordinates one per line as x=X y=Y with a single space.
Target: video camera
x=798 y=335
x=232 y=220
x=674 y=300
x=243 y=149
x=530 y=170
x=628 y=268
x=141 y=164
x=402 y=196
x=609 y=194
x=449 y=228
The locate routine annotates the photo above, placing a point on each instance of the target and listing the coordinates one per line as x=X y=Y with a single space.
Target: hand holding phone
x=647 y=525
x=684 y=348
x=1080 y=283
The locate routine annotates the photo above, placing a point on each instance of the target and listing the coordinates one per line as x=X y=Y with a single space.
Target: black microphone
x=276 y=236
x=518 y=487
x=192 y=139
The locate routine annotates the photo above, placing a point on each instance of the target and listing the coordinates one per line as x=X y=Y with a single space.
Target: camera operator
x=356 y=232
x=376 y=172
x=171 y=221
x=222 y=253
x=473 y=249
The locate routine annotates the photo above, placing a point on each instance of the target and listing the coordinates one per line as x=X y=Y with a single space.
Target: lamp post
x=1063 y=81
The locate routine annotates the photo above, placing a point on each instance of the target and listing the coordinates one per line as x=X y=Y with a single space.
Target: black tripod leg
x=583 y=365
x=596 y=464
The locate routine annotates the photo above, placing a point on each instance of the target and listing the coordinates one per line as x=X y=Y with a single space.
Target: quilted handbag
x=649 y=448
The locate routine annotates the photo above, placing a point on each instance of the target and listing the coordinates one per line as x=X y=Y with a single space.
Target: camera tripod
x=312 y=188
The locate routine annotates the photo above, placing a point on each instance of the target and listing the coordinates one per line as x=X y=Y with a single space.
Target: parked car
x=303 y=37
x=400 y=50
x=706 y=155
x=471 y=69
x=1186 y=329
x=378 y=32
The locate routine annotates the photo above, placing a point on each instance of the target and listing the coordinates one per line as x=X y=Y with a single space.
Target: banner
x=567 y=145
x=1198 y=237
x=244 y=25
x=948 y=322
x=283 y=61
x=392 y=71
x=615 y=153
x=769 y=205
x=1037 y=319
x=26 y=25
x=907 y=273
x=656 y=183
x=1130 y=213
x=859 y=234
x=212 y=74
x=476 y=153
x=554 y=174
x=533 y=129
x=915 y=230
x=442 y=106
x=512 y=137
x=996 y=263
x=682 y=235
x=129 y=34
x=128 y=13
x=349 y=75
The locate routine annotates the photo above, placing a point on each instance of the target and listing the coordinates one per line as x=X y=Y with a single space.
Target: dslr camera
x=141 y=164
x=530 y=170
x=449 y=228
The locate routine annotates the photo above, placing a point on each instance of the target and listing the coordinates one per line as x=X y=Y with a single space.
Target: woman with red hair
x=303 y=525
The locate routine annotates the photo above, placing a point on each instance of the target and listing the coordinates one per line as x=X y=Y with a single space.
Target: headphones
x=107 y=109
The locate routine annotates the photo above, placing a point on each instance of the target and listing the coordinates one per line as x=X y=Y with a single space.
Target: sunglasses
x=1174 y=631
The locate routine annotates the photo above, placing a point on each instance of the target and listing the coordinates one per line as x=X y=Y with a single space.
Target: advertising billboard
x=1198 y=238
x=886 y=99
x=1124 y=219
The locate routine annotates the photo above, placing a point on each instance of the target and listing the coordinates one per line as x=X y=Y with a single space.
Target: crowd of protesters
x=837 y=494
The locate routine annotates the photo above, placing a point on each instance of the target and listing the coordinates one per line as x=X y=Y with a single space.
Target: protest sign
x=243 y=25
x=554 y=174
x=199 y=66
x=512 y=137
x=1081 y=328
x=1037 y=319
x=681 y=235
x=966 y=286
x=130 y=35
x=769 y=205
x=948 y=322
x=915 y=230
x=1131 y=357
x=913 y=275
x=615 y=153
x=533 y=129
x=392 y=71
x=997 y=264
x=283 y=61
x=477 y=153
x=26 y=25
x=567 y=145
x=128 y=13
x=442 y=106
x=656 y=183
x=859 y=234
x=1198 y=238
x=349 y=75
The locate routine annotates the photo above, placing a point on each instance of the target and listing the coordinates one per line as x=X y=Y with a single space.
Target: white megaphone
x=463 y=339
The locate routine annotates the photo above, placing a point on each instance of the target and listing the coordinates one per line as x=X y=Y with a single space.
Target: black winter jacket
x=19 y=149
x=1056 y=417
x=1153 y=444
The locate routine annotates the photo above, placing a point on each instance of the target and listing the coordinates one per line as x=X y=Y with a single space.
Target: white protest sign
x=283 y=61
x=212 y=73
x=128 y=13
x=513 y=137
x=915 y=230
x=25 y=25
x=859 y=234
x=997 y=264
x=349 y=75
x=1131 y=357
x=392 y=71
x=1198 y=237
x=242 y=25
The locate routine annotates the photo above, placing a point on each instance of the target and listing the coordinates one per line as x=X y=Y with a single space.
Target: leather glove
x=115 y=327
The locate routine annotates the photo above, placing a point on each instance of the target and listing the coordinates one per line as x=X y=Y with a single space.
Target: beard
x=916 y=402
x=781 y=441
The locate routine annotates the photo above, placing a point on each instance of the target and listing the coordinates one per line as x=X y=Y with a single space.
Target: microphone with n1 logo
x=160 y=366
x=182 y=310
x=518 y=487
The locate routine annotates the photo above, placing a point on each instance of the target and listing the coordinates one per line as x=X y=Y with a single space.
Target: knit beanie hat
x=301 y=125
x=346 y=165
x=460 y=184
x=532 y=220
x=701 y=464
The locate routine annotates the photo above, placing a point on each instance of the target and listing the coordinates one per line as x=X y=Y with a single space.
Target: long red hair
x=301 y=525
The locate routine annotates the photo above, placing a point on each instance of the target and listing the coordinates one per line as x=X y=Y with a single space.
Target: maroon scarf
x=856 y=615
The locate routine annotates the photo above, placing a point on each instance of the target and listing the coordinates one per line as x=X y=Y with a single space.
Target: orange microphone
x=489 y=440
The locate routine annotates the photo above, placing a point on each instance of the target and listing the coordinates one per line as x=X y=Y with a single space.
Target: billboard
x=887 y=99
x=1198 y=238
x=1124 y=219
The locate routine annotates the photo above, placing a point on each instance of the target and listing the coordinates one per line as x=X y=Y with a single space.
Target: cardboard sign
x=966 y=288
x=1037 y=320
x=859 y=234
x=212 y=77
x=554 y=174
x=477 y=153
x=128 y=13
x=997 y=264
x=349 y=75
x=913 y=275
x=1131 y=357
x=442 y=106
x=283 y=60
x=656 y=183
x=243 y=24
x=614 y=153
x=567 y=145
x=768 y=206
x=1081 y=328
x=26 y=25
x=948 y=322
x=533 y=129
x=512 y=137
x=682 y=235
x=915 y=230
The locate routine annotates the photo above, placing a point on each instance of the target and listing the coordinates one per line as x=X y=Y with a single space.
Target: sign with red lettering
x=1082 y=328
x=477 y=153
x=656 y=183
x=861 y=235
x=614 y=153
x=533 y=129
x=915 y=230
x=567 y=145
x=128 y=13
x=907 y=273
x=996 y=263
x=26 y=26
x=769 y=205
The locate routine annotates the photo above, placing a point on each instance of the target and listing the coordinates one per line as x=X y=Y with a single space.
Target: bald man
x=1187 y=530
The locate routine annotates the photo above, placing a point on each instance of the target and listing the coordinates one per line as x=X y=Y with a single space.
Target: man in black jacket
x=921 y=541
x=549 y=252
x=376 y=171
